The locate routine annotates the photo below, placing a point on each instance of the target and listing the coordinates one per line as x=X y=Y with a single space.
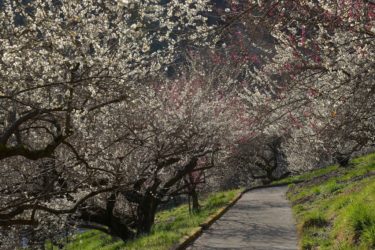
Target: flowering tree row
x=316 y=84
x=92 y=134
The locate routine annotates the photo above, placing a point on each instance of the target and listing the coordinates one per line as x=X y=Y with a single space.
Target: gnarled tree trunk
x=99 y=218
x=146 y=214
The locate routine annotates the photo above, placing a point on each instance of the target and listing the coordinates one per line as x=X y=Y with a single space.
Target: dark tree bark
x=99 y=218
x=343 y=159
x=195 y=201
x=146 y=214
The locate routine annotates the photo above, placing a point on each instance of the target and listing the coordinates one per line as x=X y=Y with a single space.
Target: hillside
x=335 y=207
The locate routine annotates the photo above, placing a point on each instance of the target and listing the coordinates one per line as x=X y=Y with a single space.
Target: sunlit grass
x=337 y=212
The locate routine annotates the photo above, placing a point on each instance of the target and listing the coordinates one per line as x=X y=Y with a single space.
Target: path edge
x=187 y=240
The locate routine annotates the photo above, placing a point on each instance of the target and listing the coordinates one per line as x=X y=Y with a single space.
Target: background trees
x=319 y=77
x=261 y=158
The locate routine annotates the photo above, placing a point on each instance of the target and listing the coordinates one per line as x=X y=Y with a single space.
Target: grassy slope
x=170 y=227
x=335 y=207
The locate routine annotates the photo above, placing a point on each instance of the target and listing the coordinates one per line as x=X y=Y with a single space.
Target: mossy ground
x=335 y=207
x=170 y=227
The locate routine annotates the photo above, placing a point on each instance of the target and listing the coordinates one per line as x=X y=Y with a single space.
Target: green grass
x=335 y=207
x=170 y=227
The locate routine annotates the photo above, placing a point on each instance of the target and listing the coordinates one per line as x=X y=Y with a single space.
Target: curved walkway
x=261 y=220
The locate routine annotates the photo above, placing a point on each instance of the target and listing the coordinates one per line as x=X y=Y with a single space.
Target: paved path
x=261 y=220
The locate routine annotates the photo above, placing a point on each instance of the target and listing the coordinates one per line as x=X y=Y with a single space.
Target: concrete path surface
x=261 y=220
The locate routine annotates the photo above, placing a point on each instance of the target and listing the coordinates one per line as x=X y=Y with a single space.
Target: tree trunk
x=119 y=229
x=115 y=225
x=99 y=218
x=194 y=197
x=343 y=159
x=269 y=173
x=146 y=214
